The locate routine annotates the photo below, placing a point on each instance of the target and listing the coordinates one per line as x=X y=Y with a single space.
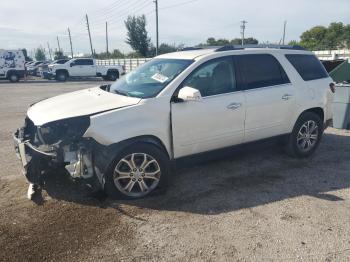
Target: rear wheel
x=112 y=75
x=306 y=135
x=137 y=171
x=13 y=78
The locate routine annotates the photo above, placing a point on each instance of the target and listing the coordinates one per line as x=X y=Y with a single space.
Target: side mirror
x=71 y=64
x=189 y=94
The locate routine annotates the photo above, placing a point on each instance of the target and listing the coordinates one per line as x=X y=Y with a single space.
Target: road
x=251 y=205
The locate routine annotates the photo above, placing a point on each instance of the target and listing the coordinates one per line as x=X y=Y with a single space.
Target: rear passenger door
x=270 y=96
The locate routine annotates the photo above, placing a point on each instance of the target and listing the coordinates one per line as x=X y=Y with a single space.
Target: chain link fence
x=129 y=63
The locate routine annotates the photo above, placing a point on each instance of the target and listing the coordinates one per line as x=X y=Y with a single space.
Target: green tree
x=25 y=53
x=335 y=36
x=40 y=54
x=137 y=36
x=211 y=41
x=314 y=39
x=163 y=49
x=293 y=42
x=59 y=55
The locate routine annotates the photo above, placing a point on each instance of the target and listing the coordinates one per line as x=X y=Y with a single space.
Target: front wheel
x=306 y=135
x=137 y=171
x=61 y=76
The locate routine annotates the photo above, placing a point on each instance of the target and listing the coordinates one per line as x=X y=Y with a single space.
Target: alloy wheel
x=307 y=136
x=137 y=174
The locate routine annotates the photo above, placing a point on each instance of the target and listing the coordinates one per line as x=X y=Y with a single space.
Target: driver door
x=217 y=120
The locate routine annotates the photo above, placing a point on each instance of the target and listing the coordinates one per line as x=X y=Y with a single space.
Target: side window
x=308 y=66
x=89 y=62
x=214 y=77
x=78 y=62
x=261 y=70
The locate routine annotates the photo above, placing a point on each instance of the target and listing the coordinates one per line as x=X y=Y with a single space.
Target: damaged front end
x=55 y=144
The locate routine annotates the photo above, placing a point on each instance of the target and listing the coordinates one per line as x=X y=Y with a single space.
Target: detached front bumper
x=32 y=158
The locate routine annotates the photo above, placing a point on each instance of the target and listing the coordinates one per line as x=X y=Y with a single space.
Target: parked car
x=84 y=67
x=125 y=135
x=33 y=68
x=44 y=71
x=12 y=65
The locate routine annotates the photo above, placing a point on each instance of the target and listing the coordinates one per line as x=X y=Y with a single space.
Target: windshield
x=150 y=78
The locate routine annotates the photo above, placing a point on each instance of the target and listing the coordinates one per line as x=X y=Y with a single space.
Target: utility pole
x=157 y=30
x=48 y=46
x=88 y=28
x=58 y=43
x=284 y=31
x=107 y=40
x=70 y=41
x=242 y=30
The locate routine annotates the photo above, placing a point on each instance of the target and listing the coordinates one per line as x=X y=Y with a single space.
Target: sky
x=34 y=23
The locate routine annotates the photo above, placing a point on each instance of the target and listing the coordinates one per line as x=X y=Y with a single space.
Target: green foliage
x=211 y=41
x=59 y=55
x=114 y=55
x=293 y=42
x=335 y=36
x=27 y=58
x=40 y=54
x=137 y=36
x=164 y=49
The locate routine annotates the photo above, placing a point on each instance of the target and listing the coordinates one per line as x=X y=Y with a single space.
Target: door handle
x=286 y=96
x=234 y=106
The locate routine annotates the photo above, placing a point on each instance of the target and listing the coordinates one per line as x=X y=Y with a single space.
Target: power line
x=179 y=4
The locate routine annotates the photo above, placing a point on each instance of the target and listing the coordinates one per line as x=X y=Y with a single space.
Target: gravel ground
x=251 y=205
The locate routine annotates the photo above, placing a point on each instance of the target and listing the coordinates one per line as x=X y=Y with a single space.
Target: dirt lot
x=252 y=205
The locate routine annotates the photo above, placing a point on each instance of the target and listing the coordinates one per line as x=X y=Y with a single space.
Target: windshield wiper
x=123 y=93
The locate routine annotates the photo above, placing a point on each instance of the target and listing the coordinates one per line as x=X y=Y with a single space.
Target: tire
x=301 y=143
x=14 y=78
x=112 y=75
x=61 y=76
x=137 y=177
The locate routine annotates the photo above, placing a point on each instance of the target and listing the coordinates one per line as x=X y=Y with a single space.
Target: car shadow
x=232 y=180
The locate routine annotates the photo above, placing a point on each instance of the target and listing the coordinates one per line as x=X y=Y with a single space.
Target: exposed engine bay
x=56 y=144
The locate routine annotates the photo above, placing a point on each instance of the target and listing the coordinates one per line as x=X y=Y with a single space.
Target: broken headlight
x=71 y=129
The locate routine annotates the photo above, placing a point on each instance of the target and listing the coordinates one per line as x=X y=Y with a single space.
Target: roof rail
x=240 y=47
x=191 y=48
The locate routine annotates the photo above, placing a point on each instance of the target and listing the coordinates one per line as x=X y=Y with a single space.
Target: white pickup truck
x=85 y=67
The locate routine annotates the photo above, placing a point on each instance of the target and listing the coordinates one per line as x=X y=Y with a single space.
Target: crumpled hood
x=79 y=103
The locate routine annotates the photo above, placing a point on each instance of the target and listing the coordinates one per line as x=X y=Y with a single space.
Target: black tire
x=61 y=76
x=293 y=147
x=13 y=78
x=144 y=148
x=112 y=75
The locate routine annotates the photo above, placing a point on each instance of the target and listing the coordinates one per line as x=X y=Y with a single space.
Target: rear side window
x=261 y=70
x=308 y=66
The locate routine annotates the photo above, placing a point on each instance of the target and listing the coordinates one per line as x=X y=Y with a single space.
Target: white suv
x=126 y=134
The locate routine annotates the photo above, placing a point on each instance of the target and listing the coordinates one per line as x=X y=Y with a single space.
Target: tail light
x=332 y=87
